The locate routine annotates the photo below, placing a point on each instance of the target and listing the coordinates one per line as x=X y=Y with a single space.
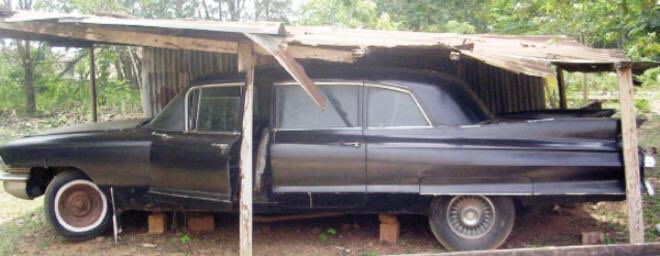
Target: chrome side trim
x=399 y=127
x=4 y=176
x=173 y=194
x=18 y=170
x=317 y=129
x=477 y=194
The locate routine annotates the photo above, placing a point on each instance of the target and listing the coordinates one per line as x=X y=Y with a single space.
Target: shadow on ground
x=344 y=235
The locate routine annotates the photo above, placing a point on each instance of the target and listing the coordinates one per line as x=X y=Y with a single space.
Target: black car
x=390 y=140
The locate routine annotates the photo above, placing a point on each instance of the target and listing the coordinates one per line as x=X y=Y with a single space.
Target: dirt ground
x=23 y=230
x=353 y=235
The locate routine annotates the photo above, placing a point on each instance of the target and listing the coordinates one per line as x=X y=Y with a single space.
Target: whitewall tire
x=76 y=207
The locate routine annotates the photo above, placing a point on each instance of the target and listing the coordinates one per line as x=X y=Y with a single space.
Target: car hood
x=96 y=127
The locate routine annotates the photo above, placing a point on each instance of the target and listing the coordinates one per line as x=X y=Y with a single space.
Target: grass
x=20 y=220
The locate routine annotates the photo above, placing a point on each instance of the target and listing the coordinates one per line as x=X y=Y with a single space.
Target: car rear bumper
x=15 y=184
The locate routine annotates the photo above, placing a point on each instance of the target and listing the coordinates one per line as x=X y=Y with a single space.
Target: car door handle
x=162 y=135
x=222 y=147
x=351 y=144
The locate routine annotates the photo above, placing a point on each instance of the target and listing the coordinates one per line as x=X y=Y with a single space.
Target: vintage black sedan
x=390 y=140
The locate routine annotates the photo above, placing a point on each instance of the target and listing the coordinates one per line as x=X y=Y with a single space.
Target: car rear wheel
x=76 y=208
x=471 y=222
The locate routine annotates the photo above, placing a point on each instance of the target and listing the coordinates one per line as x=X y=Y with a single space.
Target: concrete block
x=157 y=223
x=387 y=218
x=389 y=233
x=593 y=238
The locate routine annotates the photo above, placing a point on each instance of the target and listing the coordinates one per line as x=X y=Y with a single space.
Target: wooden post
x=246 y=59
x=630 y=154
x=92 y=74
x=562 y=88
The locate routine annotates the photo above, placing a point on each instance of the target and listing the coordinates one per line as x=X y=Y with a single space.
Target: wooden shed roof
x=526 y=54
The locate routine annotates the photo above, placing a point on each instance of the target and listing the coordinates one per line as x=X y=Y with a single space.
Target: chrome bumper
x=15 y=184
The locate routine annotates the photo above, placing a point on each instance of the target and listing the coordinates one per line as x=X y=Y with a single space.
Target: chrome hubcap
x=470 y=216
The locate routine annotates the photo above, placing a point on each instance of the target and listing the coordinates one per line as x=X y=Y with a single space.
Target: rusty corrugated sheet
x=167 y=72
x=531 y=55
x=269 y=28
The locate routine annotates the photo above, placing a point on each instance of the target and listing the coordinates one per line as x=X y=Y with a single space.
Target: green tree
x=345 y=13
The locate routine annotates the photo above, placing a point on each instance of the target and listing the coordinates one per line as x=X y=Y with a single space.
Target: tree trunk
x=585 y=89
x=28 y=72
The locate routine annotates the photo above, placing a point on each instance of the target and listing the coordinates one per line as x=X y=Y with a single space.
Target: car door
x=394 y=122
x=195 y=162
x=318 y=156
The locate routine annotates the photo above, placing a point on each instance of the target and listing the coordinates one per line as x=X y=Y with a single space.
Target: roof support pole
x=562 y=88
x=246 y=60
x=630 y=154
x=92 y=74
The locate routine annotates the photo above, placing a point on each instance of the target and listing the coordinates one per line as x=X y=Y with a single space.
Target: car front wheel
x=76 y=208
x=471 y=222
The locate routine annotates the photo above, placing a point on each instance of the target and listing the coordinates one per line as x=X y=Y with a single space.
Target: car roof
x=430 y=87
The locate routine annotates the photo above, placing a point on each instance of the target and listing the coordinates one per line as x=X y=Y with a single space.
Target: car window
x=392 y=108
x=296 y=110
x=171 y=118
x=214 y=109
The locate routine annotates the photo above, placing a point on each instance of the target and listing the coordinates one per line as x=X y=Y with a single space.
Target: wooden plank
x=157 y=223
x=92 y=74
x=125 y=37
x=246 y=59
x=273 y=46
x=610 y=249
x=630 y=154
x=562 y=88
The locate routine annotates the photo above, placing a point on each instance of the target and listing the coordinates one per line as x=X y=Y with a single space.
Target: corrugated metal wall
x=166 y=72
x=503 y=91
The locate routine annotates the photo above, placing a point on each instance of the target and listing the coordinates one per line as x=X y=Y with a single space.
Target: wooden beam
x=124 y=37
x=630 y=153
x=92 y=74
x=609 y=249
x=562 y=88
x=246 y=59
x=274 y=46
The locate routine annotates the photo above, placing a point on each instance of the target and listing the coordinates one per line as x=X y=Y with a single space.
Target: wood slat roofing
x=527 y=54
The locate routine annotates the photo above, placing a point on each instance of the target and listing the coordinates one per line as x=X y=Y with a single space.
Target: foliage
x=352 y=14
x=631 y=25
x=184 y=239
x=325 y=236
x=55 y=94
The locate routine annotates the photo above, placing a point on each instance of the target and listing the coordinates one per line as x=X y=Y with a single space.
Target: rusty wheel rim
x=80 y=206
